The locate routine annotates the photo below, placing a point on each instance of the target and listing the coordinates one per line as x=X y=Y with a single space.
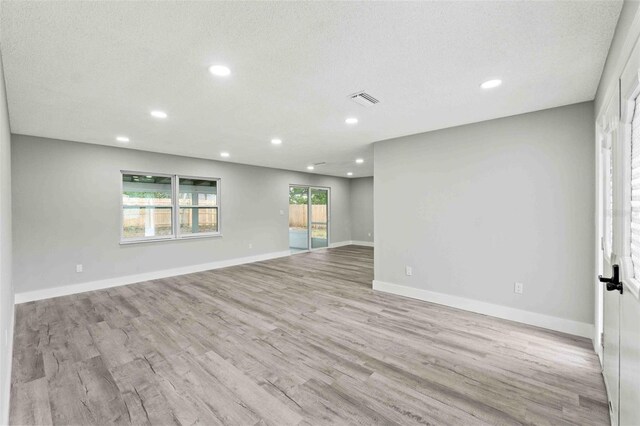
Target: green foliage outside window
x=299 y=196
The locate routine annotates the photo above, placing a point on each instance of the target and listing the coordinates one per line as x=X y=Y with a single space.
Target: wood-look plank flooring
x=296 y=340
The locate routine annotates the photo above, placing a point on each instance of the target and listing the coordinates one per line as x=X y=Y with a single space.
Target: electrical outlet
x=250 y=245
x=518 y=288
x=369 y=233
x=79 y=267
x=281 y=212
x=408 y=270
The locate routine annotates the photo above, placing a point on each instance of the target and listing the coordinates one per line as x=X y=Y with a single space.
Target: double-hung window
x=147 y=207
x=164 y=207
x=198 y=204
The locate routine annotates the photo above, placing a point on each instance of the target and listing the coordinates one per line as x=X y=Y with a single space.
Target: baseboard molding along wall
x=66 y=290
x=351 y=243
x=29 y=296
x=518 y=315
x=362 y=243
x=6 y=387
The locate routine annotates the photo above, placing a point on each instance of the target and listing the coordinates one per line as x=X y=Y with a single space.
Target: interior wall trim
x=499 y=311
x=362 y=243
x=351 y=243
x=5 y=389
x=29 y=296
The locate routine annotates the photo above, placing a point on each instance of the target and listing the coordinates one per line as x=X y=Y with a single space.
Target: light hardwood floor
x=296 y=340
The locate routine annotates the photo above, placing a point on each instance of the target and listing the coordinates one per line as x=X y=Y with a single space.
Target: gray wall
x=475 y=208
x=6 y=286
x=67 y=211
x=362 y=209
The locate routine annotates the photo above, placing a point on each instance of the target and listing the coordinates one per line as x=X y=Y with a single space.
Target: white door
x=608 y=302
x=627 y=198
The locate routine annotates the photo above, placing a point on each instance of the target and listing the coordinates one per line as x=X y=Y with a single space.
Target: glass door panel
x=319 y=218
x=298 y=218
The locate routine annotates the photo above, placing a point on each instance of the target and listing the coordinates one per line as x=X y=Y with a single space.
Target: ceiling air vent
x=363 y=99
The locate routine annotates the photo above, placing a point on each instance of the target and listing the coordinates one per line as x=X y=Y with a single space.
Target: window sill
x=203 y=235
x=157 y=240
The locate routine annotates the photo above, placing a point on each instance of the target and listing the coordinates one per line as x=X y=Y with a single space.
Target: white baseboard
x=351 y=243
x=6 y=386
x=362 y=243
x=339 y=244
x=29 y=296
x=48 y=293
x=540 y=320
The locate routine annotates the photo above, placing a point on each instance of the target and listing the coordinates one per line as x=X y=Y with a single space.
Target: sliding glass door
x=299 y=218
x=319 y=218
x=308 y=217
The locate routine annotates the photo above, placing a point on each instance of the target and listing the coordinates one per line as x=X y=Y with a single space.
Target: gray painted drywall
x=616 y=57
x=362 y=209
x=6 y=285
x=67 y=211
x=476 y=208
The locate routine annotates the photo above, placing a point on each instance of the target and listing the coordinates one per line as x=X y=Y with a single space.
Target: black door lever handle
x=614 y=279
x=613 y=283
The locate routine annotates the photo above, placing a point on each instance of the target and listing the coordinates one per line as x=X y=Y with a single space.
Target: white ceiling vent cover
x=364 y=99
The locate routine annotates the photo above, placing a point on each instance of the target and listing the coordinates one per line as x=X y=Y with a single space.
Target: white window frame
x=124 y=240
x=629 y=90
x=217 y=207
x=175 y=209
x=309 y=223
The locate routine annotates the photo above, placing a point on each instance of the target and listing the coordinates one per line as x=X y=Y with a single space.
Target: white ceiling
x=89 y=71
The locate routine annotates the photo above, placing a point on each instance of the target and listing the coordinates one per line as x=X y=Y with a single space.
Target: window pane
x=298 y=218
x=319 y=235
x=635 y=190
x=195 y=220
x=146 y=190
x=139 y=222
x=198 y=192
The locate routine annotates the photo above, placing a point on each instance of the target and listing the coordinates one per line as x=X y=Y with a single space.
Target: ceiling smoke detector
x=364 y=99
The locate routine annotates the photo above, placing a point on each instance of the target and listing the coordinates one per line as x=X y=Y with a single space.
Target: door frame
x=614 y=128
x=605 y=133
x=309 y=208
x=323 y=188
x=629 y=91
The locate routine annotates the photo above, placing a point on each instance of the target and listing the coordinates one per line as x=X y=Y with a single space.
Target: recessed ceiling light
x=276 y=141
x=219 y=70
x=349 y=174
x=359 y=160
x=309 y=167
x=122 y=139
x=351 y=120
x=490 y=84
x=224 y=154
x=158 y=114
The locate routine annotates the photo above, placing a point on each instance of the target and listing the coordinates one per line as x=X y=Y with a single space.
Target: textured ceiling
x=89 y=71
